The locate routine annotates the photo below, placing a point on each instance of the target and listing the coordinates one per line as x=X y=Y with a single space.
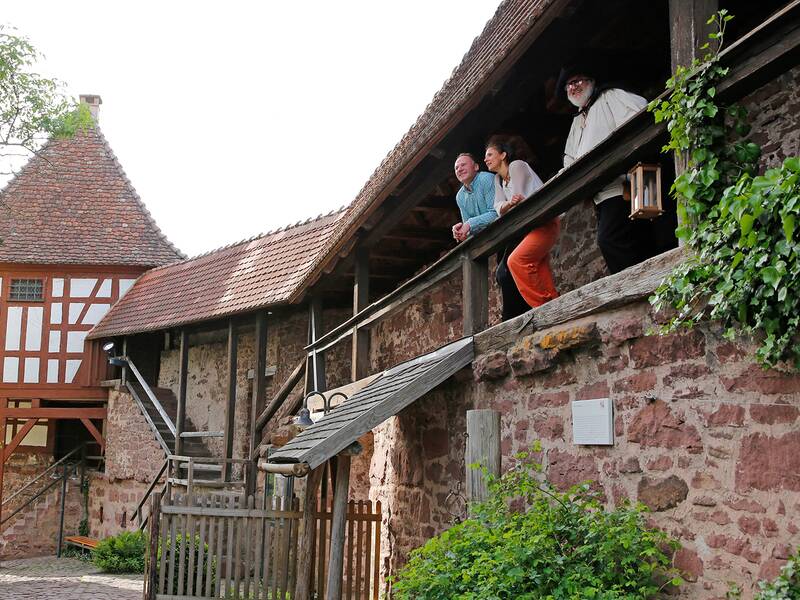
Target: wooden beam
x=230 y=405
x=53 y=413
x=359 y=365
x=259 y=394
x=315 y=374
x=306 y=536
x=689 y=29
x=17 y=439
x=98 y=437
x=475 y=292
x=336 y=558
x=633 y=284
x=183 y=377
x=483 y=448
x=3 y=404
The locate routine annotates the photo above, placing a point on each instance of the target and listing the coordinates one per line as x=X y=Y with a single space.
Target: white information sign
x=593 y=422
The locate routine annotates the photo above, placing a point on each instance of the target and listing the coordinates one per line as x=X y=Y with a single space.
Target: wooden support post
x=152 y=559
x=360 y=361
x=336 y=558
x=306 y=536
x=315 y=374
x=183 y=377
x=98 y=437
x=124 y=374
x=688 y=31
x=8 y=450
x=258 y=400
x=3 y=424
x=230 y=405
x=475 y=293
x=483 y=447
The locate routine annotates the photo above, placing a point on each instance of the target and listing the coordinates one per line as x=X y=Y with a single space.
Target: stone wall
x=132 y=451
x=112 y=504
x=703 y=436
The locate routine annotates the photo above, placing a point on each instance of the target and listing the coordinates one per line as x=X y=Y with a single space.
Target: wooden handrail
x=769 y=44
x=280 y=397
x=151 y=487
x=164 y=416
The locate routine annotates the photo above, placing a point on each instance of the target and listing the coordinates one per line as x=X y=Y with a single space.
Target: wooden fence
x=220 y=545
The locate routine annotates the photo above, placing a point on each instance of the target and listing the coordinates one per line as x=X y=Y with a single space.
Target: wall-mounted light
x=113 y=359
x=645 y=191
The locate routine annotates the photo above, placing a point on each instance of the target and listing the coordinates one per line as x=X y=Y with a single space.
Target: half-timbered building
x=75 y=236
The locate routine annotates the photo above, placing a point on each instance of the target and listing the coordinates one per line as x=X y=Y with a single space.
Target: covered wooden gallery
x=380 y=289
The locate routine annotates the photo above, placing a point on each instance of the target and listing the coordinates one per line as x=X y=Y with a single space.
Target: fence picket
x=367 y=553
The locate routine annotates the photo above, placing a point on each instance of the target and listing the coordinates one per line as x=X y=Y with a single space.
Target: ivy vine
x=744 y=265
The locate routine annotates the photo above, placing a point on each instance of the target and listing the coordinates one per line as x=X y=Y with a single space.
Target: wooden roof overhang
x=404 y=219
x=766 y=51
x=384 y=397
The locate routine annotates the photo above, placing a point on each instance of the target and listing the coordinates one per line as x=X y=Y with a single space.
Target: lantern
x=645 y=191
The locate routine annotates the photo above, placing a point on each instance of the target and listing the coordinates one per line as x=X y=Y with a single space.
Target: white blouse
x=607 y=113
x=521 y=180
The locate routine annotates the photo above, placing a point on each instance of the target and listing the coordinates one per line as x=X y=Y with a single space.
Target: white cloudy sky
x=233 y=118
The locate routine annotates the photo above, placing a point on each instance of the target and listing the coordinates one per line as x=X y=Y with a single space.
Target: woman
x=529 y=262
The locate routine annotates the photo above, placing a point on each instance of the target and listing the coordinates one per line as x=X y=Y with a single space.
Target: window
x=27 y=289
x=37 y=436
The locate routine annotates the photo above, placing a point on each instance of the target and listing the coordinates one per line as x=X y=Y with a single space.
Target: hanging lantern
x=645 y=191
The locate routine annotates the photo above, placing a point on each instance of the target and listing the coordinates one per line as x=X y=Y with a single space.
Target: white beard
x=580 y=100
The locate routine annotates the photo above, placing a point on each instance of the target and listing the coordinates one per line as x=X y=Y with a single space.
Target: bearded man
x=601 y=110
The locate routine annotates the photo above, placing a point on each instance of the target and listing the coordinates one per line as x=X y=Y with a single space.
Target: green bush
x=191 y=550
x=530 y=542
x=123 y=553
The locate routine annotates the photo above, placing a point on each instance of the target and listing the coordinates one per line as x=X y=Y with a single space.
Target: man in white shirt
x=601 y=110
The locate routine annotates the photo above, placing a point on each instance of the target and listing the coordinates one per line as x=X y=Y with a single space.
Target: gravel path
x=51 y=578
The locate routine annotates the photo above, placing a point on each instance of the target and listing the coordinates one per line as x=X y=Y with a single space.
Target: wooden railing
x=764 y=52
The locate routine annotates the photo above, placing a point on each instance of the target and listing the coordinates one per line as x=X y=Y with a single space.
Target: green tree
x=32 y=107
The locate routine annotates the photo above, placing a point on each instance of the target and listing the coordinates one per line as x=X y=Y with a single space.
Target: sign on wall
x=593 y=422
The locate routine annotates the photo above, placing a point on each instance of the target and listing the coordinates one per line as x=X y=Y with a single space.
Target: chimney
x=94 y=103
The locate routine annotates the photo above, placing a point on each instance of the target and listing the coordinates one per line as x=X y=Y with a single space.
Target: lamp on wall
x=113 y=359
x=645 y=191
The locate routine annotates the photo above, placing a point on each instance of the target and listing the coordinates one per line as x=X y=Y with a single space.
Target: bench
x=81 y=541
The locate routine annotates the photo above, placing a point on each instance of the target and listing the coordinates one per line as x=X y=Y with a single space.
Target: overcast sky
x=234 y=118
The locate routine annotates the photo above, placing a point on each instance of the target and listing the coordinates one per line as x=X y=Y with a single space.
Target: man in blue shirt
x=475 y=199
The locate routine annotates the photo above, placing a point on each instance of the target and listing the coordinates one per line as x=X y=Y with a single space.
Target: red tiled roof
x=242 y=277
x=507 y=28
x=73 y=204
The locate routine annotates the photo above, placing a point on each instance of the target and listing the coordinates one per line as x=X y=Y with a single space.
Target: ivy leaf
x=771 y=276
x=746 y=223
x=788 y=226
x=792 y=163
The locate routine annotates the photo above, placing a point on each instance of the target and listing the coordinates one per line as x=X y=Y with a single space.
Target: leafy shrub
x=123 y=553
x=560 y=546
x=191 y=551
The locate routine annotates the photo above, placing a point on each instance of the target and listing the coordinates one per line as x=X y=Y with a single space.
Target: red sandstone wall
x=112 y=504
x=132 y=451
x=703 y=436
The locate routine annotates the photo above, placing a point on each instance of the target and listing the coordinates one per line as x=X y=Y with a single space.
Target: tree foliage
x=740 y=226
x=32 y=107
x=530 y=542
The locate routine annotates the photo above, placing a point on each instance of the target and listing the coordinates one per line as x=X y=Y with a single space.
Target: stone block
x=772 y=414
x=656 y=426
x=663 y=494
x=657 y=350
x=727 y=414
x=756 y=379
x=491 y=367
x=688 y=563
x=769 y=463
x=565 y=470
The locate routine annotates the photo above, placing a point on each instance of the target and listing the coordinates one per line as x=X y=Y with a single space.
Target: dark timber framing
x=259 y=394
x=230 y=405
x=360 y=360
x=183 y=374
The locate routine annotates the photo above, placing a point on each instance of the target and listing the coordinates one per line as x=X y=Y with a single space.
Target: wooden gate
x=219 y=545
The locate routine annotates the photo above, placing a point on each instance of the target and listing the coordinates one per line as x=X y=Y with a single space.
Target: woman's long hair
x=515 y=147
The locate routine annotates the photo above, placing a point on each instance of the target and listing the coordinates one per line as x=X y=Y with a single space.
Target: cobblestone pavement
x=51 y=578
